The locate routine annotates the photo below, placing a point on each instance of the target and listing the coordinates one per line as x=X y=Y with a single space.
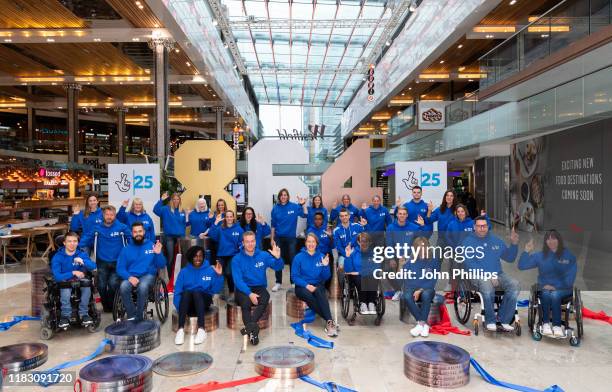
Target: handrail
x=523 y=29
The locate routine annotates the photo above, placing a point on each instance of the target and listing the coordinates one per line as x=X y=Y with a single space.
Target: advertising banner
x=128 y=181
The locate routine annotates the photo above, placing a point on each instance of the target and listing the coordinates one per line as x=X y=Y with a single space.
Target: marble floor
x=365 y=358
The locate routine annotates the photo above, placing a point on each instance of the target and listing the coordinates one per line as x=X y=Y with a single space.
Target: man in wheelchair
x=69 y=264
x=556 y=275
x=488 y=261
x=138 y=265
x=358 y=267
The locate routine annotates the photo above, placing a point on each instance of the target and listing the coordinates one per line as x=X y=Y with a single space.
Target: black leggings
x=194 y=302
x=365 y=295
x=226 y=262
x=250 y=319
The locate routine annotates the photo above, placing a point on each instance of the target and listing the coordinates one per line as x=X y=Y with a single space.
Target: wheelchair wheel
x=533 y=308
x=46 y=333
x=346 y=299
x=578 y=312
x=476 y=327
x=536 y=335
x=162 y=303
x=380 y=306
x=118 y=308
x=574 y=341
x=462 y=298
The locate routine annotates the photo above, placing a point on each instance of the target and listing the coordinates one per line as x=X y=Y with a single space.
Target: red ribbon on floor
x=444 y=327
x=216 y=385
x=449 y=297
x=601 y=315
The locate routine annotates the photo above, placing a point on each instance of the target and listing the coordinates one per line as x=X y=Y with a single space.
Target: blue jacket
x=139 y=260
x=416 y=209
x=457 y=230
x=81 y=224
x=261 y=232
x=346 y=235
x=443 y=218
x=111 y=240
x=250 y=271
x=203 y=280
x=309 y=269
x=335 y=213
x=360 y=262
x=325 y=240
x=62 y=264
x=285 y=217
x=173 y=223
x=228 y=238
x=397 y=234
x=199 y=222
x=128 y=218
x=378 y=218
x=311 y=215
x=417 y=268
x=494 y=249
x=552 y=270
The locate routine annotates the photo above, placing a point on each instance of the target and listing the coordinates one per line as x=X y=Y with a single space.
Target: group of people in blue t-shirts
x=128 y=257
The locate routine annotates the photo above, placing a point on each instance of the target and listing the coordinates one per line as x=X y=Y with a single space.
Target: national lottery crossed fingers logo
x=411 y=181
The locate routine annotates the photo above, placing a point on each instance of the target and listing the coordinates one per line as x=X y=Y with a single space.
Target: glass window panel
x=325 y=11
x=256 y=8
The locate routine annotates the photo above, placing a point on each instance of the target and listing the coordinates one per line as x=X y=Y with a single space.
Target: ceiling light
x=176 y=50
x=97 y=39
x=8 y=40
x=461 y=69
x=489 y=36
x=441 y=61
x=188 y=63
x=460 y=46
x=409 y=88
x=215 y=23
x=512 y=2
x=413 y=6
x=388 y=43
x=403 y=94
x=135 y=39
x=50 y=40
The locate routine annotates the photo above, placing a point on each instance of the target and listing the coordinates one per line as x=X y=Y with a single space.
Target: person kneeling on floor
x=193 y=291
x=249 y=274
x=358 y=266
x=423 y=268
x=69 y=264
x=138 y=265
x=310 y=271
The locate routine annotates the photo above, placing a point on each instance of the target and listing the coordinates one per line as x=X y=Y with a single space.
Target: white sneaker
x=546 y=330
x=372 y=308
x=416 y=331
x=557 y=331
x=396 y=296
x=200 y=336
x=276 y=287
x=425 y=331
x=507 y=327
x=492 y=327
x=180 y=337
x=363 y=308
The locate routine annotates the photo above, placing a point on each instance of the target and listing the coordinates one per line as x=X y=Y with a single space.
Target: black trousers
x=226 y=262
x=194 y=302
x=365 y=291
x=250 y=319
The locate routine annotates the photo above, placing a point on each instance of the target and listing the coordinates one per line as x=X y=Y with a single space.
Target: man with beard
x=138 y=265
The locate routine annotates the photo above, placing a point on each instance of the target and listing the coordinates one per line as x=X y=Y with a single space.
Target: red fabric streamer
x=601 y=315
x=449 y=297
x=216 y=385
x=444 y=327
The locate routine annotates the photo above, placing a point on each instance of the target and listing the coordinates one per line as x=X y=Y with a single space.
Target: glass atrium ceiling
x=311 y=53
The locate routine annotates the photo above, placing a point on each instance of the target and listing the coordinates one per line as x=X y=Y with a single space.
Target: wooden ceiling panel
x=139 y=17
x=16 y=64
x=517 y=14
x=33 y=14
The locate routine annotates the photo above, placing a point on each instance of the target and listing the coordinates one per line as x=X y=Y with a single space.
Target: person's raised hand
x=218 y=268
x=164 y=195
x=514 y=237
x=420 y=221
x=325 y=260
x=218 y=219
x=125 y=203
x=275 y=251
x=398 y=201
x=430 y=206
x=157 y=248
x=363 y=221
x=211 y=214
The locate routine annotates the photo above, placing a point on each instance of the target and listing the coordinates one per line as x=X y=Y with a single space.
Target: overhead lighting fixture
x=441 y=61
x=177 y=50
x=494 y=29
x=461 y=68
x=489 y=36
x=512 y=2
x=413 y=6
x=381 y=117
x=403 y=94
x=135 y=39
x=97 y=39
x=188 y=63
x=50 y=40
x=472 y=75
x=8 y=40
x=215 y=23
x=401 y=102
x=388 y=43
x=409 y=88
x=434 y=76
x=548 y=29
x=460 y=46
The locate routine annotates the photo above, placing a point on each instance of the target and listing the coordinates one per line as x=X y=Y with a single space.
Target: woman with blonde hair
x=174 y=223
x=200 y=219
x=137 y=213
x=228 y=234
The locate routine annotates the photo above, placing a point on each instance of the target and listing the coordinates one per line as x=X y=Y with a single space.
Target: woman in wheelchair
x=358 y=267
x=70 y=264
x=556 y=274
x=193 y=291
x=309 y=271
x=422 y=270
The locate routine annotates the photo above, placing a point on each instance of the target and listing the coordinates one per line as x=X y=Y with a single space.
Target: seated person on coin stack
x=420 y=285
x=138 y=265
x=193 y=291
x=249 y=274
x=359 y=267
x=68 y=264
x=310 y=271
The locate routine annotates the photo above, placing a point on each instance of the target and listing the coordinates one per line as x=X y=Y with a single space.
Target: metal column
x=160 y=47
x=219 y=121
x=31 y=127
x=121 y=133
x=72 y=93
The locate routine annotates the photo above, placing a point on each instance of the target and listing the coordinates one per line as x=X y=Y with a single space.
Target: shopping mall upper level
x=89 y=82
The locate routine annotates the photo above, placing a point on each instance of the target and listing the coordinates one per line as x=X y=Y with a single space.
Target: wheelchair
x=570 y=304
x=51 y=310
x=464 y=296
x=351 y=294
x=158 y=296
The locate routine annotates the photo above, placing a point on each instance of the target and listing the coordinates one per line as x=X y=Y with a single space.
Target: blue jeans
x=169 y=242
x=108 y=283
x=287 y=246
x=511 y=288
x=136 y=311
x=550 y=300
x=420 y=312
x=66 y=310
x=316 y=301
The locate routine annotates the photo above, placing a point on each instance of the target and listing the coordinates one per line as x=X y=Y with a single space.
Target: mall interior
x=509 y=102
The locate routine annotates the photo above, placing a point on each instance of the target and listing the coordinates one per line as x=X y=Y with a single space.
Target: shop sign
x=431 y=114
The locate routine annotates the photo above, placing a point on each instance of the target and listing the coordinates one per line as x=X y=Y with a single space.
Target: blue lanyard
x=492 y=380
x=309 y=317
x=16 y=320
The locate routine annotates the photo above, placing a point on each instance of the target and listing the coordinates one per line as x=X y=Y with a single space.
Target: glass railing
x=402 y=121
x=565 y=23
x=467 y=107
